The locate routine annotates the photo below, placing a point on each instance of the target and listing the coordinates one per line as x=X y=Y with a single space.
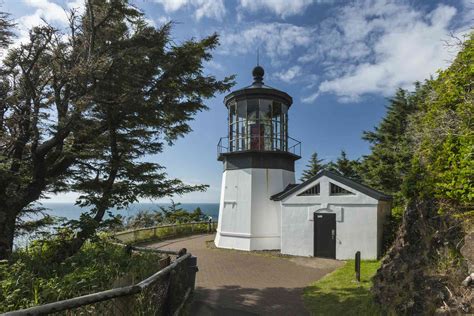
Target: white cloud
x=45 y=11
x=282 y=8
x=78 y=5
x=203 y=8
x=290 y=74
x=378 y=46
x=164 y=19
x=48 y=10
x=277 y=40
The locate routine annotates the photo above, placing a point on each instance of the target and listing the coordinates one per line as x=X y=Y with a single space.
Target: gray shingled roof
x=292 y=188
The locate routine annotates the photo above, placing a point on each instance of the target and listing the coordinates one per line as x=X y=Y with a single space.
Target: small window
x=337 y=190
x=311 y=191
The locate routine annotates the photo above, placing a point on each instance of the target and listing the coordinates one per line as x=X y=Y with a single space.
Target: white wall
x=357 y=226
x=248 y=219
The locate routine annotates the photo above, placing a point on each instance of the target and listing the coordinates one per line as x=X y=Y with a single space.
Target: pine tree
x=345 y=167
x=313 y=167
x=81 y=111
x=391 y=150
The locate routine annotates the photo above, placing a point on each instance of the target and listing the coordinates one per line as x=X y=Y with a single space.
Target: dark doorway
x=325 y=235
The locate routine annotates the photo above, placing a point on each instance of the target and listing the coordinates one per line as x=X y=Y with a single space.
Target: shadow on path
x=235 y=300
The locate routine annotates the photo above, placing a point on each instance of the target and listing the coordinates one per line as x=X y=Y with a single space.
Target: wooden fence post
x=357 y=266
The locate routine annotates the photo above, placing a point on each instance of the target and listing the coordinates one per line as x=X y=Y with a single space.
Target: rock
x=467 y=251
x=467 y=281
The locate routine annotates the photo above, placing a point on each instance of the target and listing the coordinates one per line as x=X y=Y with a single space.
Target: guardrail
x=163 y=293
x=165 y=231
x=258 y=143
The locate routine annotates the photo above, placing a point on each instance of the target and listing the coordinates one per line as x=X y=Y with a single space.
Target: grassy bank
x=339 y=294
x=32 y=278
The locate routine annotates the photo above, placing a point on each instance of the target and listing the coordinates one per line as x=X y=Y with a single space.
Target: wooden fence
x=163 y=293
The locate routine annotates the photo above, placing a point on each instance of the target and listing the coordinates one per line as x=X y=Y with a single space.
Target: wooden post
x=357 y=266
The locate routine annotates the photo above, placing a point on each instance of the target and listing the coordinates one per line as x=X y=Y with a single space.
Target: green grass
x=339 y=294
x=32 y=278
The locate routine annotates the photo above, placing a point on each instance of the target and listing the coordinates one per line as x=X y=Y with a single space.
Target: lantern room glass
x=258 y=124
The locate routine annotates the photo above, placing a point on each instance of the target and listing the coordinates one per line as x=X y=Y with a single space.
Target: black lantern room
x=258 y=127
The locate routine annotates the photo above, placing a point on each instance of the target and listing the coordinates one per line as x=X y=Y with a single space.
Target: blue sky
x=339 y=60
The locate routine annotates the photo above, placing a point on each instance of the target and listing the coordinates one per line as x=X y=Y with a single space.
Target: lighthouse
x=259 y=161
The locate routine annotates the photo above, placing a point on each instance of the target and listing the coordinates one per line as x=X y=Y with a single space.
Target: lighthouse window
x=232 y=119
x=254 y=130
x=241 y=140
x=265 y=115
x=257 y=124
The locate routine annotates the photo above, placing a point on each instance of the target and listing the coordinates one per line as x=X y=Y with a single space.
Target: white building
x=262 y=208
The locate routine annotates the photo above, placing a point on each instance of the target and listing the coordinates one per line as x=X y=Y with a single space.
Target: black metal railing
x=258 y=143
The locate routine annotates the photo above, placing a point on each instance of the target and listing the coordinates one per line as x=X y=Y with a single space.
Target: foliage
x=5 y=30
x=79 y=111
x=172 y=214
x=345 y=167
x=391 y=150
x=339 y=294
x=443 y=135
x=33 y=278
x=387 y=166
x=312 y=168
x=438 y=186
x=175 y=214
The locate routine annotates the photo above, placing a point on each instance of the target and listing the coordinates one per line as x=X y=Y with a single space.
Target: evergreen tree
x=391 y=150
x=389 y=162
x=345 y=167
x=80 y=111
x=197 y=215
x=312 y=168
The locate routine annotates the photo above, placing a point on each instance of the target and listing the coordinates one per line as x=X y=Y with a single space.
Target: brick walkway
x=231 y=282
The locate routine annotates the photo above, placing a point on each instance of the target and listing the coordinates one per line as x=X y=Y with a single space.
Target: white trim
x=245 y=235
x=300 y=204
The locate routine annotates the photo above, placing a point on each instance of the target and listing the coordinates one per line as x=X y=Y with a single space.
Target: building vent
x=337 y=190
x=311 y=191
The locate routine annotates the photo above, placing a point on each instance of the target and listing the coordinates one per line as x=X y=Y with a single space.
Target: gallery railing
x=163 y=293
x=259 y=143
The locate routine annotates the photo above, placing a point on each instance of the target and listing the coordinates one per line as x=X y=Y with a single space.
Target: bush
x=32 y=278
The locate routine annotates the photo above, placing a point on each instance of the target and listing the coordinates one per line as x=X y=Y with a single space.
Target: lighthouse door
x=325 y=235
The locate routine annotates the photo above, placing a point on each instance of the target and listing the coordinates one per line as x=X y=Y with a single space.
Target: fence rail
x=163 y=293
x=164 y=231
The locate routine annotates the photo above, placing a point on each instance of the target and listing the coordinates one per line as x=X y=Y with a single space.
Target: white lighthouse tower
x=259 y=159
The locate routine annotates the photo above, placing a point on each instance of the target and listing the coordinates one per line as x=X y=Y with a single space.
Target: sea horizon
x=73 y=211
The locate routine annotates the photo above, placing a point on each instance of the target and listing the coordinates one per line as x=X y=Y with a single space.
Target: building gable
x=352 y=187
x=314 y=190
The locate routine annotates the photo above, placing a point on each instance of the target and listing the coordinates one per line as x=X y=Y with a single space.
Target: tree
x=5 y=30
x=174 y=213
x=84 y=109
x=312 y=168
x=391 y=149
x=197 y=215
x=145 y=219
x=345 y=167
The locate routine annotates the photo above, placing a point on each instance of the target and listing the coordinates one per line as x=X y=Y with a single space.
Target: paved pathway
x=231 y=282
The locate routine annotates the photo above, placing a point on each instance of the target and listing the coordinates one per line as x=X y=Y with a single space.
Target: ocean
x=71 y=211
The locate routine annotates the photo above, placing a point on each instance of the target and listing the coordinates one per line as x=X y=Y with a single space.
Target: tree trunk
x=7 y=230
